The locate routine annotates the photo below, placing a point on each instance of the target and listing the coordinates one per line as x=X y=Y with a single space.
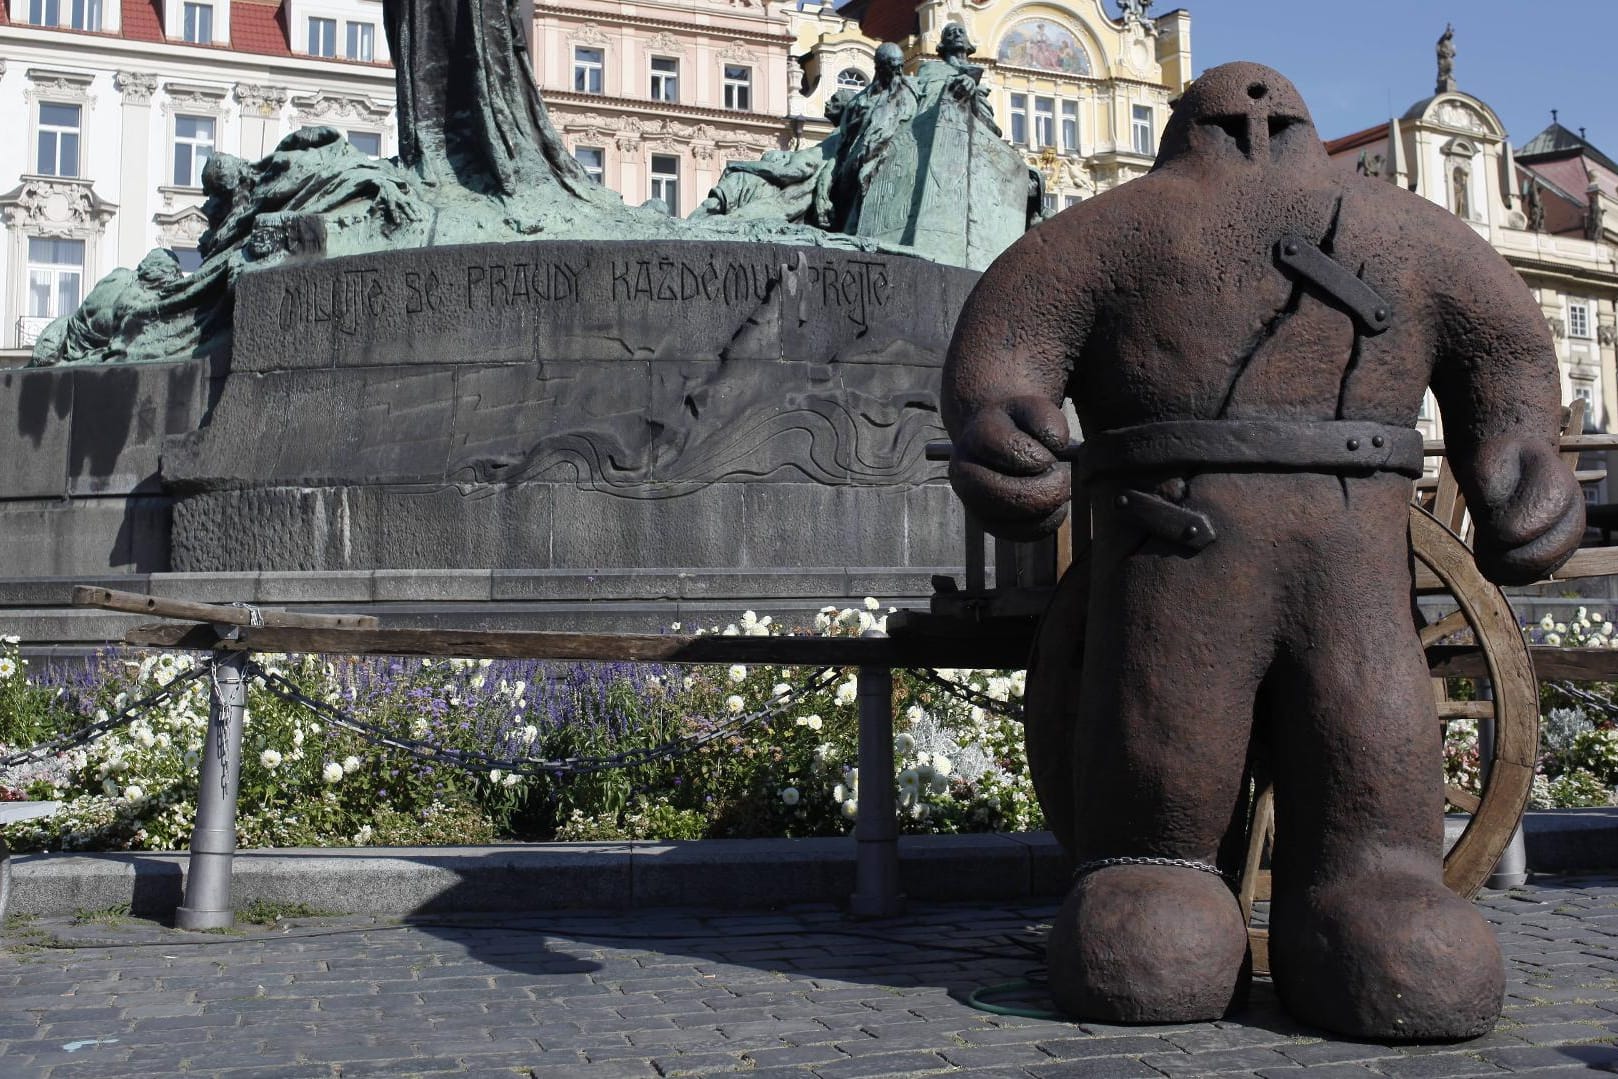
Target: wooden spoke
x=1451 y=623
x=1465 y=710
x=1462 y=799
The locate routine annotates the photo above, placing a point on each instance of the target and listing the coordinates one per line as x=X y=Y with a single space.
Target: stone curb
x=714 y=873
x=739 y=874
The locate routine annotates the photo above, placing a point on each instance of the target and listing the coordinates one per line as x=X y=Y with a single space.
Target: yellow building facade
x=1082 y=93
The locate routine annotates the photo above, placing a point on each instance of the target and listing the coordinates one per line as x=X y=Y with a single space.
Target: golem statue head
x=1241 y=114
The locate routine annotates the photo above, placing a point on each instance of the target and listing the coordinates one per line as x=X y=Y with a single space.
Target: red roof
x=257 y=26
x=884 y=20
x=143 y=20
x=1356 y=140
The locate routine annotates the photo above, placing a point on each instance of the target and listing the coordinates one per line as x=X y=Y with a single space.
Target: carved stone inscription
x=512 y=302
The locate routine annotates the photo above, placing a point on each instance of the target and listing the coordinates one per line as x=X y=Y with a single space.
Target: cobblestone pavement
x=801 y=993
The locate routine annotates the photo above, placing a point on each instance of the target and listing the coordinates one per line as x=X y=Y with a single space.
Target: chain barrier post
x=876 y=825
x=213 y=840
x=1511 y=870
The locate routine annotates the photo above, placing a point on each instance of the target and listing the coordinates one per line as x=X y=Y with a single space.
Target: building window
x=589 y=68
x=1069 y=201
x=368 y=143
x=1140 y=129
x=1044 y=121
x=82 y=14
x=189 y=258
x=1047 y=203
x=322 y=37
x=193 y=142
x=665 y=78
x=1070 y=127
x=1019 y=119
x=58 y=140
x=55 y=276
x=196 y=23
x=738 y=87
x=87 y=15
x=594 y=160
x=852 y=78
x=666 y=181
x=1578 y=319
x=361 y=41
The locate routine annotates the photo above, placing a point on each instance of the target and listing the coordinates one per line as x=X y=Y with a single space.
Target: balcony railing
x=29 y=327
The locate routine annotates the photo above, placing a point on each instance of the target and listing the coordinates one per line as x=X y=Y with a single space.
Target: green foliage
x=270 y=912
x=791 y=770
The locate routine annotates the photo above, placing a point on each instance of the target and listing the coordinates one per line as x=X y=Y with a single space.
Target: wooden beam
x=111 y=599
x=1550 y=664
x=982 y=650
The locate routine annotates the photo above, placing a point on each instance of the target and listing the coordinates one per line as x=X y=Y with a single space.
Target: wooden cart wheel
x=1051 y=702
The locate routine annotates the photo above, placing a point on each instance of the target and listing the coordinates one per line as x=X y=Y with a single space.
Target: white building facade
x=113 y=108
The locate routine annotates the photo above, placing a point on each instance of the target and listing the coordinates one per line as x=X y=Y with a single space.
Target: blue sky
x=1356 y=61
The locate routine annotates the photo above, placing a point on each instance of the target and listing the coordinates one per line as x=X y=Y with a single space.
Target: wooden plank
x=1461 y=799
x=1586 y=562
x=1465 y=709
x=111 y=599
x=984 y=649
x=1435 y=447
x=1566 y=664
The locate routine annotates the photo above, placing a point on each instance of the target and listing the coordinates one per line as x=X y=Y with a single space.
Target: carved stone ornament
x=322 y=106
x=589 y=34
x=1457 y=115
x=57 y=85
x=1557 y=325
x=185 y=97
x=136 y=86
x=261 y=100
x=53 y=206
x=738 y=51
x=182 y=228
x=1607 y=333
x=665 y=42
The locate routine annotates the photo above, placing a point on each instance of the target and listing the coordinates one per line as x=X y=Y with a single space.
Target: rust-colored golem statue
x=1246 y=334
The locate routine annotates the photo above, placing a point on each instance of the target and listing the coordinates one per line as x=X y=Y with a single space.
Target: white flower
x=759 y=629
x=8 y=666
x=1553 y=639
x=866 y=621
x=839 y=794
x=363 y=836
x=780 y=689
x=909 y=779
x=145 y=737
x=297 y=736
x=847 y=692
x=270 y=758
x=332 y=773
x=871 y=604
x=510 y=780
x=1561 y=627
x=529 y=733
x=687 y=682
x=814 y=723
x=731 y=631
x=1547 y=622
x=733 y=704
x=495 y=774
x=904 y=744
x=11 y=639
x=1595 y=616
x=749 y=618
x=674 y=627
x=942 y=764
x=134 y=793
x=789 y=795
x=737 y=673
x=851 y=809
x=351 y=764
x=915 y=713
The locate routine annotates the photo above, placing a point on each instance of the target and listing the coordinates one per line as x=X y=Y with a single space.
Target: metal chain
x=1584 y=696
x=1177 y=863
x=566 y=766
x=971 y=696
x=102 y=726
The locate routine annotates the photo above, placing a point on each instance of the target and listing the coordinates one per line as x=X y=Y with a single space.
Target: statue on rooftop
x=1446 y=61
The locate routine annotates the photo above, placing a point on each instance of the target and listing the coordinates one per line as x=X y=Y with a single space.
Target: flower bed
x=306 y=782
